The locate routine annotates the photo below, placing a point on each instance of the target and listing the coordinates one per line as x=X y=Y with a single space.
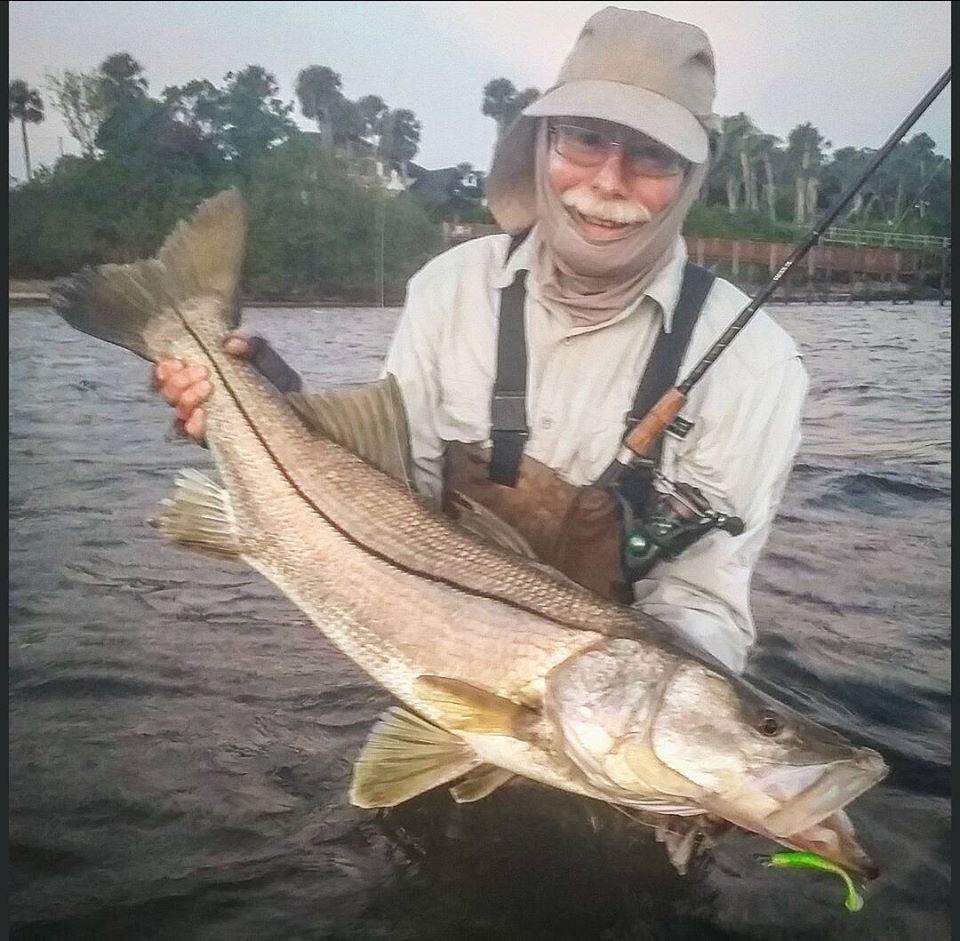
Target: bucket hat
x=634 y=68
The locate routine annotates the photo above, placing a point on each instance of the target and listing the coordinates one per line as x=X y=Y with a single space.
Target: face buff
x=594 y=280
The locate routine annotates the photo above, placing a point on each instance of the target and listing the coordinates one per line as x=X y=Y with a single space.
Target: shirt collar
x=664 y=289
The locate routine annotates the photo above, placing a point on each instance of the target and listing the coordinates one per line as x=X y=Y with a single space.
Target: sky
x=854 y=69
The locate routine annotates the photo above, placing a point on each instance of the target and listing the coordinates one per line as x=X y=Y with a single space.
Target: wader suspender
x=509 y=429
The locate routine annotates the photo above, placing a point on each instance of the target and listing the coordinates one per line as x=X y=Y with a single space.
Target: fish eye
x=769 y=724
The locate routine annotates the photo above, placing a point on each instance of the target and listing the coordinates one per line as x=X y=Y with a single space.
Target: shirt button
x=546 y=422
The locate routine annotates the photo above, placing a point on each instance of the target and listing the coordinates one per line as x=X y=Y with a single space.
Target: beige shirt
x=580 y=386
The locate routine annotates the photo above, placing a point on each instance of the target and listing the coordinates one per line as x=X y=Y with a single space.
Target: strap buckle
x=508 y=412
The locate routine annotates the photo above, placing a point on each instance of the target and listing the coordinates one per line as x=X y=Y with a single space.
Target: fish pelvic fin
x=370 y=420
x=200 y=516
x=468 y=708
x=480 y=783
x=405 y=756
x=145 y=306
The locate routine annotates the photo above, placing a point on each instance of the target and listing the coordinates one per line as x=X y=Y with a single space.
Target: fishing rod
x=639 y=440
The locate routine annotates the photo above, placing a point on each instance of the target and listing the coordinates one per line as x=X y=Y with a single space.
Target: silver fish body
x=503 y=668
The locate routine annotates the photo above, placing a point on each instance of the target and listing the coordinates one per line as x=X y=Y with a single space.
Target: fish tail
x=146 y=306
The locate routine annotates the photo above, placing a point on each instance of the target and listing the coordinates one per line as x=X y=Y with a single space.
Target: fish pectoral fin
x=405 y=756
x=199 y=516
x=477 y=519
x=480 y=783
x=468 y=708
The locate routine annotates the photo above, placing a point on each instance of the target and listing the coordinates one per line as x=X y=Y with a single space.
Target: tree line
x=322 y=222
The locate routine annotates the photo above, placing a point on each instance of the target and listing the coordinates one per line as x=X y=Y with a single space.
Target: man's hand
x=186 y=387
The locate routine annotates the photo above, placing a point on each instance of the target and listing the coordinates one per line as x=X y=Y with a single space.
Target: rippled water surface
x=181 y=737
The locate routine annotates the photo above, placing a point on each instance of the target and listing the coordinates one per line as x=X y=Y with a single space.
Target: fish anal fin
x=480 y=783
x=199 y=516
x=405 y=756
x=468 y=708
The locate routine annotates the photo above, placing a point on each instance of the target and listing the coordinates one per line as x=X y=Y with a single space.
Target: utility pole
x=382 y=207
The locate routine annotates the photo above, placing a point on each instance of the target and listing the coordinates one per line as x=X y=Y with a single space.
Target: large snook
x=504 y=667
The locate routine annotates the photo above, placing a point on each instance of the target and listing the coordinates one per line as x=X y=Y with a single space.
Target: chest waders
x=603 y=538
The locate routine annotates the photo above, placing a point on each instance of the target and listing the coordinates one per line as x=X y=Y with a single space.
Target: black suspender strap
x=667 y=355
x=509 y=429
x=635 y=484
x=508 y=411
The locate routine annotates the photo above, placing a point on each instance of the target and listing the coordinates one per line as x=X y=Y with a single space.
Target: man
x=594 y=180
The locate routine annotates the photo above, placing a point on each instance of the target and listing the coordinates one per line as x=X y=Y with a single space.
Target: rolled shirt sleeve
x=741 y=461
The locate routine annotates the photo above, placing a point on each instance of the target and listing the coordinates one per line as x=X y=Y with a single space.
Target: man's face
x=609 y=177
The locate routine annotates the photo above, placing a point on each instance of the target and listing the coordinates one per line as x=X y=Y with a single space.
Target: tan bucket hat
x=635 y=68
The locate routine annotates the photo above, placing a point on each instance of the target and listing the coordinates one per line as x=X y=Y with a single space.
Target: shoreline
x=27 y=293
x=31 y=298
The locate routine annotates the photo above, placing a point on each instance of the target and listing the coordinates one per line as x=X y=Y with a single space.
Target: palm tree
x=503 y=102
x=733 y=160
x=845 y=167
x=371 y=109
x=805 y=149
x=766 y=150
x=26 y=106
x=121 y=79
x=318 y=90
x=399 y=138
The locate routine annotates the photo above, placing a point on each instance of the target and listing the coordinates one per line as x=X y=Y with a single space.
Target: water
x=181 y=737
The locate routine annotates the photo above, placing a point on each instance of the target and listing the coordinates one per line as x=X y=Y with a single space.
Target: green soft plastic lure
x=853 y=901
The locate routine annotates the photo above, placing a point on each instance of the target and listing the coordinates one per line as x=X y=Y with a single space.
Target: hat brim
x=643 y=110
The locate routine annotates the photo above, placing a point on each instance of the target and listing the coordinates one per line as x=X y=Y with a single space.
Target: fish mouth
x=814 y=819
x=833 y=838
x=810 y=814
x=839 y=784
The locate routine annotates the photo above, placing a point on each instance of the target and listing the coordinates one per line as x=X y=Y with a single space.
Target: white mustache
x=609 y=210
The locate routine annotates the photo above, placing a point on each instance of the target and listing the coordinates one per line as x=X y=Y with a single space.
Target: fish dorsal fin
x=405 y=756
x=199 y=516
x=369 y=420
x=468 y=708
x=480 y=783
x=140 y=306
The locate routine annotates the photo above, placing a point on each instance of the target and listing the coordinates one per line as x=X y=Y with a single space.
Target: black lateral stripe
x=392 y=563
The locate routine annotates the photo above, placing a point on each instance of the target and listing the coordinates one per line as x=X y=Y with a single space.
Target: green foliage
x=316 y=232
x=717 y=222
x=76 y=95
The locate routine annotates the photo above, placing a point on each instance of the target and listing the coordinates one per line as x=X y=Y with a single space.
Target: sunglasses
x=587 y=147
